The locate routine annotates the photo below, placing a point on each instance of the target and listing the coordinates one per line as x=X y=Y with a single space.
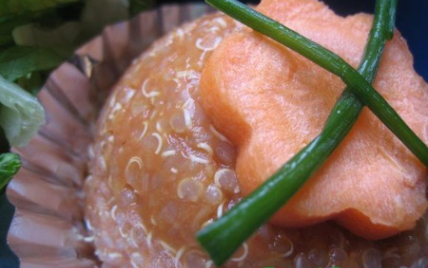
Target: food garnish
x=225 y=235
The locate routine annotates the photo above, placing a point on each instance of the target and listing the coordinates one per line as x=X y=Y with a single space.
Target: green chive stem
x=332 y=63
x=222 y=238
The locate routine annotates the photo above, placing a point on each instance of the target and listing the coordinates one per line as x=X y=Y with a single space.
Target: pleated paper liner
x=48 y=229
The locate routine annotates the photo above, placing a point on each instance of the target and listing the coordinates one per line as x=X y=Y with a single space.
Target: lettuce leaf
x=136 y=6
x=65 y=36
x=9 y=165
x=17 y=7
x=17 y=62
x=21 y=114
x=99 y=13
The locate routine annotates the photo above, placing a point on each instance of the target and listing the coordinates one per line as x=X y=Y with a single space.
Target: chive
x=9 y=165
x=332 y=63
x=222 y=238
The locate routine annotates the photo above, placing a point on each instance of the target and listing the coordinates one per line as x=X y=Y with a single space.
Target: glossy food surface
x=160 y=171
x=280 y=101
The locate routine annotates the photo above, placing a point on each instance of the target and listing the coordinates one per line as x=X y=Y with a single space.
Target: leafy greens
x=21 y=114
x=9 y=165
x=36 y=36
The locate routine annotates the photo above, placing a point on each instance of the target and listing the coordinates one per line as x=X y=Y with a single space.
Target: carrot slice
x=271 y=102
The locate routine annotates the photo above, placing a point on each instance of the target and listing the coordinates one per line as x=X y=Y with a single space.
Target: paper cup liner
x=48 y=229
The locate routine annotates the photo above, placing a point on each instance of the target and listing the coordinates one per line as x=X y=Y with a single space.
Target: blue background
x=412 y=21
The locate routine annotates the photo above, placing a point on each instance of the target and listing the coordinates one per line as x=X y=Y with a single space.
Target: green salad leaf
x=136 y=6
x=17 y=7
x=9 y=165
x=93 y=21
x=63 y=36
x=36 y=36
x=17 y=62
x=21 y=114
x=7 y=24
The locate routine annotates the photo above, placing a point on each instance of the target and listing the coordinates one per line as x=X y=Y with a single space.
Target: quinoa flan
x=172 y=156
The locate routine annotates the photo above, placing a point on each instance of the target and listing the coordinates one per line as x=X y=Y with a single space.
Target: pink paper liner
x=48 y=229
